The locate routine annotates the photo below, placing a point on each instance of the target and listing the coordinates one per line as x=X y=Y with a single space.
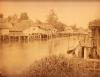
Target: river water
x=15 y=57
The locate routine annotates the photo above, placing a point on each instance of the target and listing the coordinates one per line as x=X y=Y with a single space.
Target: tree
x=74 y=27
x=9 y=18
x=24 y=16
x=60 y=26
x=1 y=15
x=52 y=18
x=39 y=21
x=12 y=18
x=94 y=22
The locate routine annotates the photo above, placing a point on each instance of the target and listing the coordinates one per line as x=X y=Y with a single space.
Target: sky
x=70 y=13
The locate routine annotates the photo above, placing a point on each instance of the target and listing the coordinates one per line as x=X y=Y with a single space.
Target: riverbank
x=60 y=66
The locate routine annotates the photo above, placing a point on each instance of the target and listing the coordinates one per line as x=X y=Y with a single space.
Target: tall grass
x=60 y=66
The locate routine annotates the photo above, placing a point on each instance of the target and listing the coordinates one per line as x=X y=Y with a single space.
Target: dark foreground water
x=16 y=57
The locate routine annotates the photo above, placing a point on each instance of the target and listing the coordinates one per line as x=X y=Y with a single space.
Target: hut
x=20 y=27
x=44 y=30
x=94 y=26
x=20 y=30
x=4 y=27
x=28 y=29
x=4 y=30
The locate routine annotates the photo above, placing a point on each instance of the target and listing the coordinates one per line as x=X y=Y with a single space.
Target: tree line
x=51 y=19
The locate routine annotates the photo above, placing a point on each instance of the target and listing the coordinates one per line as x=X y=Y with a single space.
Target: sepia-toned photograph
x=49 y=38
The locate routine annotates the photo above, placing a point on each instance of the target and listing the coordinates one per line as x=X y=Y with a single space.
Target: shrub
x=60 y=66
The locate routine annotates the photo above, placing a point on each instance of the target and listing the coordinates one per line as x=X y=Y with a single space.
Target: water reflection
x=15 y=57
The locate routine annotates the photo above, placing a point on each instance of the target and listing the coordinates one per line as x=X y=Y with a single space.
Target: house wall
x=27 y=31
x=32 y=30
x=97 y=36
x=4 y=31
x=95 y=40
x=15 y=33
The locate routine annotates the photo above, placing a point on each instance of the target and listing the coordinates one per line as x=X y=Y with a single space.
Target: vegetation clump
x=60 y=66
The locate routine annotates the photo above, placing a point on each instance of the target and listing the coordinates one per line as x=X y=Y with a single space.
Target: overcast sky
x=79 y=13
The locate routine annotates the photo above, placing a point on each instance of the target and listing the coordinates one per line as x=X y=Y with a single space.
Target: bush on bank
x=60 y=66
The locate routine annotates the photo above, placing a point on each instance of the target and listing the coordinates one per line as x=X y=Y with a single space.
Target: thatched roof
x=22 y=25
x=95 y=23
x=5 y=25
x=45 y=26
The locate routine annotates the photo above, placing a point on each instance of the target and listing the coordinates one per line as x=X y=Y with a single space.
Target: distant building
x=43 y=30
x=28 y=28
x=49 y=29
x=34 y=29
x=19 y=28
x=68 y=29
x=4 y=27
